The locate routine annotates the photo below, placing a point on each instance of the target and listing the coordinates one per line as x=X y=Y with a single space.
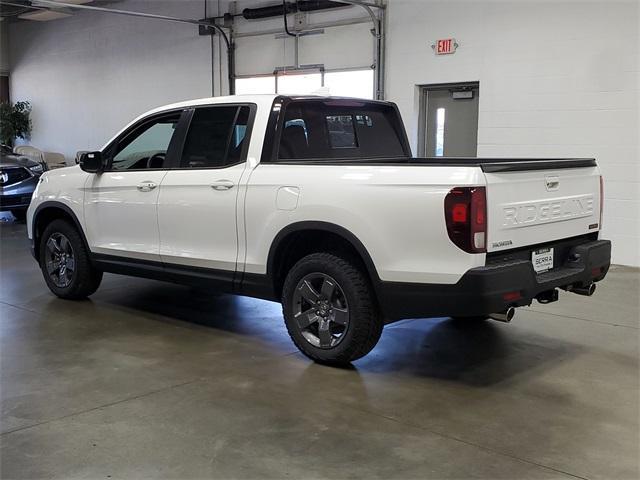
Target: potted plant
x=15 y=122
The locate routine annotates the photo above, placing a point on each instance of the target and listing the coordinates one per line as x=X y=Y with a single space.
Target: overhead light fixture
x=36 y=3
x=43 y=15
x=46 y=15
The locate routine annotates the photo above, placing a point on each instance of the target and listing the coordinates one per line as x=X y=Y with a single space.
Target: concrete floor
x=155 y=380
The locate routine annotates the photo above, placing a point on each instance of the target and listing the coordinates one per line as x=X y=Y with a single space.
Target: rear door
x=197 y=212
x=539 y=206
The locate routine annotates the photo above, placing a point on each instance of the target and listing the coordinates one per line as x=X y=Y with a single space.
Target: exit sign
x=445 y=46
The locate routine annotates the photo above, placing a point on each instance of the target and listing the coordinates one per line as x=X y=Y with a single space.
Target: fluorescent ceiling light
x=75 y=2
x=43 y=15
x=47 y=15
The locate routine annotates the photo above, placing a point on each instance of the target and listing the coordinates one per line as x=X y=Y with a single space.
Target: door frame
x=424 y=108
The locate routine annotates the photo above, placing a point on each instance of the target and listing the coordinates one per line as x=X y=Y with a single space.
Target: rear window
x=316 y=130
x=216 y=137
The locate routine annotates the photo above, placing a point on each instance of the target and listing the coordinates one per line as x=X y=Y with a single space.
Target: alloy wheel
x=60 y=260
x=321 y=311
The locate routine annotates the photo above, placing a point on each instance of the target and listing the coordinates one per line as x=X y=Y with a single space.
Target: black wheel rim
x=320 y=310
x=60 y=260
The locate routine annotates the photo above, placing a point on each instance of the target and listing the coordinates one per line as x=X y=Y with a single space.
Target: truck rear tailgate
x=535 y=206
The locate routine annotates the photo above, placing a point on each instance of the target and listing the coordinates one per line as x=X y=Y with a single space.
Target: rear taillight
x=465 y=212
x=601 y=199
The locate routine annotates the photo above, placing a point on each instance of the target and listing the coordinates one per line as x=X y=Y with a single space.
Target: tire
x=78 y=279
x=345 y=307
x=19 y=215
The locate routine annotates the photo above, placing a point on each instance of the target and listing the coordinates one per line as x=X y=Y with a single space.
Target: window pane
x=318 y=129
x=441 y=118
x=341 y=133
x=299 y=84
x=148 y=148
x=239 y=136
x=208 y=138
x=255 y=85
x=357 y=83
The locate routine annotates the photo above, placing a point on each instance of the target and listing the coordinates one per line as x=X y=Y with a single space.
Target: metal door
x=449 y=121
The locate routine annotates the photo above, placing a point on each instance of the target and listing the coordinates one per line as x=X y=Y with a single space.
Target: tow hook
x=586 y=291
x=505 y=316
x=549 y=296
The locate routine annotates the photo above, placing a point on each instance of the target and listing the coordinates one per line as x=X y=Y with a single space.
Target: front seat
x=294 y=142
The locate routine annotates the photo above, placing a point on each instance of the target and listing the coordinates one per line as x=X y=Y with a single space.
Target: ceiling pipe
x=55 y=4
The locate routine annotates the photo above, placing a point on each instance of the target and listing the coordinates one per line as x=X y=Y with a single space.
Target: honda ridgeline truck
x=318 y=204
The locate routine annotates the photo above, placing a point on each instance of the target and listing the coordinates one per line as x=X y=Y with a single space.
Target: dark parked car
x=18 y=179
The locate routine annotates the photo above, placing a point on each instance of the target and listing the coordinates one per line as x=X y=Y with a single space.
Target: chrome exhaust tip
x=505 y=316
x=586 y=291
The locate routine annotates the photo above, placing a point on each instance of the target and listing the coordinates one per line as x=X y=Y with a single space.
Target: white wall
x=89 y=74
x=556 y=79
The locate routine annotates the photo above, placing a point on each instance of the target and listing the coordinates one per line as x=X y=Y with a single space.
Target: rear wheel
x=65 y=263
x=330 y=310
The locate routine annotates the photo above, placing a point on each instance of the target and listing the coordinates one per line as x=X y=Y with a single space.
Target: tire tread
x=87 y=279
x=365 y=315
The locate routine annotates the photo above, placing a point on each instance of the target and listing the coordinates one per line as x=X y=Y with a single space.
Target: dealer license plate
x=542 y=260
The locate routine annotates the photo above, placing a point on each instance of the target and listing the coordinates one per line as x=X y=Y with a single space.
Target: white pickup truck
x=317 y=203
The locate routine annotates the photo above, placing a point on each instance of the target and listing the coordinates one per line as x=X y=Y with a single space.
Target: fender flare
x=51 y=204
x=327 y=227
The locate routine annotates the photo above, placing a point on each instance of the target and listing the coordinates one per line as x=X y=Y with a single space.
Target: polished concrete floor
x=150 y=380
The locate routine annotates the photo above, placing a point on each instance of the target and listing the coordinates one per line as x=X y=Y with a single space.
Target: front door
x=449 y=117
x=121 y=203
x=197 y=206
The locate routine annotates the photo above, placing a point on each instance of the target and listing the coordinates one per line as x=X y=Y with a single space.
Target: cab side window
x=146 y=146
x=216 y=137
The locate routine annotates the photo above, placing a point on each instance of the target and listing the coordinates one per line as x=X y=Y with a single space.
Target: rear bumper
x=492 y=288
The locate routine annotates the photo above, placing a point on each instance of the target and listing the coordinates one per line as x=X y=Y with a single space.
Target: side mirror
x=91 y=162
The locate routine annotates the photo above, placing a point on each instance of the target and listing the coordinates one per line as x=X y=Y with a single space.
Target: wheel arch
x=328 y=234
x=45 y=214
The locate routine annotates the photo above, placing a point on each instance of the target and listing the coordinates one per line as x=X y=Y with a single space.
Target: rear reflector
x=465 y=211
x=512 y=296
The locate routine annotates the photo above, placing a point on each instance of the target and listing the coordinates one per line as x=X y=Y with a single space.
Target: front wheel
x=65 y=262
x=330 y=310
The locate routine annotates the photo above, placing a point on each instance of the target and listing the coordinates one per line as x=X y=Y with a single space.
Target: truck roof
x=260 y=100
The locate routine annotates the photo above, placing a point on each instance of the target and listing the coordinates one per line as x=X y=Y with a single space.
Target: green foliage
x=15 y=121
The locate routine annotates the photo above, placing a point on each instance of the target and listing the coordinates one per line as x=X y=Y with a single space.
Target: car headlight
x=37 y=169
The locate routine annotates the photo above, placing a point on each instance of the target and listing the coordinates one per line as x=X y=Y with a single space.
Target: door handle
x=146 y=186
x=222 y=185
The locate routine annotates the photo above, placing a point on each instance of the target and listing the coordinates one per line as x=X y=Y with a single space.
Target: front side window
x=146 y=147
x=216 y=137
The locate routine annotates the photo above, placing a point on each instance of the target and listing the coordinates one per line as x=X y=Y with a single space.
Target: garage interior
x=155 y=380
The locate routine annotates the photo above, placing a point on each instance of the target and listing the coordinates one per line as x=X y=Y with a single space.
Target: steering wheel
x=155 y=158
